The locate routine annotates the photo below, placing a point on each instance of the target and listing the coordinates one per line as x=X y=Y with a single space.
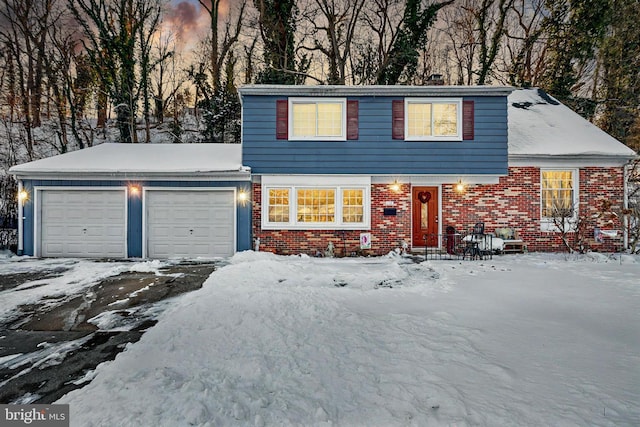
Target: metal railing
x=456 y=246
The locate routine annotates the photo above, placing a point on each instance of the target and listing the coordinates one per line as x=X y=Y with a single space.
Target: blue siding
x=375 y=152
x=134 y=209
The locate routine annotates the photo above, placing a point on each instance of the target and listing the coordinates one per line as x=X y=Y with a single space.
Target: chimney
x=435 y=80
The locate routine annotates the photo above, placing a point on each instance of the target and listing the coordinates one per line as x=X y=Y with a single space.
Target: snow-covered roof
x=373 y=90
x=141 y=160
x=542 y=127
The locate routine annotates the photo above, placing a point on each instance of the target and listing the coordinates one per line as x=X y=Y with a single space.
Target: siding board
x=375 y=151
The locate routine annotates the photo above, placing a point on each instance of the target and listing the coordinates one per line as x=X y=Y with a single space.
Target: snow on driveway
x=517 y=340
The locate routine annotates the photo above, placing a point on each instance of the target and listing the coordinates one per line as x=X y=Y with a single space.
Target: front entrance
x=425 y=216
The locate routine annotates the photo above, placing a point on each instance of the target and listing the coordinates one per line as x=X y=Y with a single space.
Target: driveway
x=59 y=319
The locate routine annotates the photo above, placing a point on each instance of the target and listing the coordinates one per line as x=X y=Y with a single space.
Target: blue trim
x=134 y=209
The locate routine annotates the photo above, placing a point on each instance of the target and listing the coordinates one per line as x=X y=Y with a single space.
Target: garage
x=136 y=201
x=189 y=223
x=83 y=223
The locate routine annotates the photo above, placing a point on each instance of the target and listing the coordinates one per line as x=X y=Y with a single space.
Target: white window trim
x=319 y=100
x=457 y=101
x=338 y=185
x=546 y=223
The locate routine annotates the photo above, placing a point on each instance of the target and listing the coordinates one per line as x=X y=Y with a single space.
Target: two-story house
x=373 y=167
x=402 y=164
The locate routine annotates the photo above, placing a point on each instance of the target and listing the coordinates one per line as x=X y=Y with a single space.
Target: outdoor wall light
x=459 y=186
x=134 y=190
x=243 y=197
x=23 y=196
x=395 y=186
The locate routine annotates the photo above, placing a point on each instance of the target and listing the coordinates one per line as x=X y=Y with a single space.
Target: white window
x=558 y=197
x=341 y=206
x=317 y=119
x=437 y=119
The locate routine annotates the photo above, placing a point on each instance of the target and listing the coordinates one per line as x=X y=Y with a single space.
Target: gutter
x=20 y=220
x=625 y=205
x=375 y=90
x=243 y=174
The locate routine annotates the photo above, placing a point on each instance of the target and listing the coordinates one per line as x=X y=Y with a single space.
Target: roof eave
x=379 y=90
x=585 y=159
x=234 y=175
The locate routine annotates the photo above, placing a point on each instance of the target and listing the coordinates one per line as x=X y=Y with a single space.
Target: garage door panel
x=201 y=215
x=184 y=223
x=83 y=223
x=182 y=215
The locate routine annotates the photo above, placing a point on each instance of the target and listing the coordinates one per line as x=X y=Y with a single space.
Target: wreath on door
x=424 y=196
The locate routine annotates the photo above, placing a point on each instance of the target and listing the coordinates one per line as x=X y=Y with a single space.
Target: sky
x=189 y=21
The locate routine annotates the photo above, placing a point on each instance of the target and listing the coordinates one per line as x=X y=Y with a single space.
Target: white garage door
x=190 y=223
x=83 y=223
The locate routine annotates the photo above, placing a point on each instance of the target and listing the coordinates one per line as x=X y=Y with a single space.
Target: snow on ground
x=517 y=340
x=74 y=276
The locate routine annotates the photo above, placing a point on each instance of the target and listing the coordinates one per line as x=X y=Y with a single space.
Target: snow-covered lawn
x=517 y=340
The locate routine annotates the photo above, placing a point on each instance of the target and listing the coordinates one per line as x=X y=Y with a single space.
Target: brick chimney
x=435 y=80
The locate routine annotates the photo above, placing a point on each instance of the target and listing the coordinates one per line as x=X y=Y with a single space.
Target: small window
x=317 y=119
x=279 y=205
x=558 y=198
x=352 y=206
x=433 y=119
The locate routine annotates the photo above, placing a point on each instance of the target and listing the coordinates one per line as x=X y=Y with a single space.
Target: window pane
x=316 y=205
x=278 y=205
x=352 y=206
x=418 y=119
x=329 y=119
x=317 y=119
x=445 y=119
x=304 y=119
x=557 y=194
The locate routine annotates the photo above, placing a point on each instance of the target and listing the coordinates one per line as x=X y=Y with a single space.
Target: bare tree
x=402 y=59
x=381 y=22
x=462 y=43
x=525 y=43
x=114 y=34
x=220 y=48
x=24 y=36
x=571 y=228
x=490 y=20
x=337 y=21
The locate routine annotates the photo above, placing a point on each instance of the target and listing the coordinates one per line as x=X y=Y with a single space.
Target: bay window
x=315 y=207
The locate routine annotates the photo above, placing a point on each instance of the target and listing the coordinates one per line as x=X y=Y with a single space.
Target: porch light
x=459 y=186
x=395 y=186
x=23 y=196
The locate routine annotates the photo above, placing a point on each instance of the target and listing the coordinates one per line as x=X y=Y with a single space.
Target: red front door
x=425 y=216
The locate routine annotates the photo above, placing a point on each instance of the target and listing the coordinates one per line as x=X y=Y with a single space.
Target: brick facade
x=513 y=202
x=387 y=232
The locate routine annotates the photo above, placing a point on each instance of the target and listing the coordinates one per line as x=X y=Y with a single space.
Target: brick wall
x=386 y=231
x=513 y=202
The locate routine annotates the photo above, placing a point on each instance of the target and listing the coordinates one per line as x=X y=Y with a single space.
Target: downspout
x=20 y=219
x=625 y=206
